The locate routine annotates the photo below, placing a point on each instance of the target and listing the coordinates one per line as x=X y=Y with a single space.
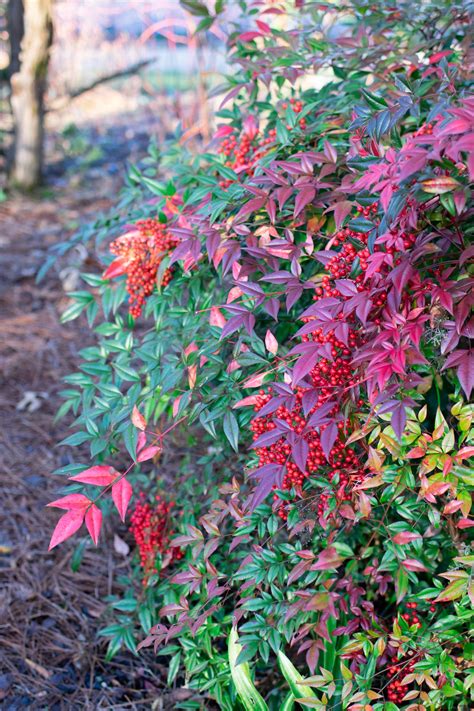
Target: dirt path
x=49 y=615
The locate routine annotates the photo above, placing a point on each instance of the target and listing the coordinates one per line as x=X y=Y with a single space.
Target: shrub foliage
x=294 y=303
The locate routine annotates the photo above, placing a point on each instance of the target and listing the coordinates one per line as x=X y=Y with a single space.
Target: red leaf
x=249 y=36
x=100 y=475
x=439 y=55
x=466 y=522
x=405 y=537
x=137 y=419
x=94 y=522
x=329 y=559
x=114 y=270
x=148 y=453
x=66 y=527
x=412 y=564
x=71 y=501
x=121 y=495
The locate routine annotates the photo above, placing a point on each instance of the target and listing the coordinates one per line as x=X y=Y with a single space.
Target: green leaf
x=248 y=694
x=231 y=429
x=173 y=668
x=293 y=677
x=73 y=311
x=76 y=439
x=375 y=102
x=126 y=605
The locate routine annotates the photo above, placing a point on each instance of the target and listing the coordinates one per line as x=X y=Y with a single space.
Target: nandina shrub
x=297 y=299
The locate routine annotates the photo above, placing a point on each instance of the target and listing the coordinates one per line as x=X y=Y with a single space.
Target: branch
x=63 y=100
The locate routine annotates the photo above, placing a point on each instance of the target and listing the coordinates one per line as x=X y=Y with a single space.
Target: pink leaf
x=271 y=342
x=365 y=506
x=465 y=372
x=141 y=441
x=71 y=501
x=66 y=527
x=94 y=522
x=341 y=210
x=148 y=453
x=266 y=29
x=452 y=506
x=216 y=318
x=255 y=381
x=439 y=186
x=330 y=152
x=250 y=127
x=223 y=130
x=464 y=453
x=405 y=537
x=121 y=495
x=412 y=564
x=100 y=475
x=176 y=405
x=137 y=419
x=246 y=401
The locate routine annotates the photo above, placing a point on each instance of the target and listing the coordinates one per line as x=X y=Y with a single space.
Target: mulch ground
x=50 y=655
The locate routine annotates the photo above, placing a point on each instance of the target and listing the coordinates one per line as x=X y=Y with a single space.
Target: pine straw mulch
x=50 y=656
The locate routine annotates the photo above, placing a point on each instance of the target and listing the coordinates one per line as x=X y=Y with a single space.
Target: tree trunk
x=27 y=91
x=15 y=33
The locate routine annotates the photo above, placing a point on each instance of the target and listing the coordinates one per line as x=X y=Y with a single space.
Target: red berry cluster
x=425 y=130
x=141 y=253
x=343 y=468
x=333 y=375
x=397 y=671
x=401 y=666
x=244 y=150
x=150 y=527
x=297 y=107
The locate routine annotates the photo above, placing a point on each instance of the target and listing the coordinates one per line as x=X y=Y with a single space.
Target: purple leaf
x=398 y=420
x=267 y=439
x=341 y=210
x=305 y=364
x=305 y=196
x=465 y=372
x=270 y=475
x=300 y=453
x=328 y=437
x=272 y=306
x=319 y=417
